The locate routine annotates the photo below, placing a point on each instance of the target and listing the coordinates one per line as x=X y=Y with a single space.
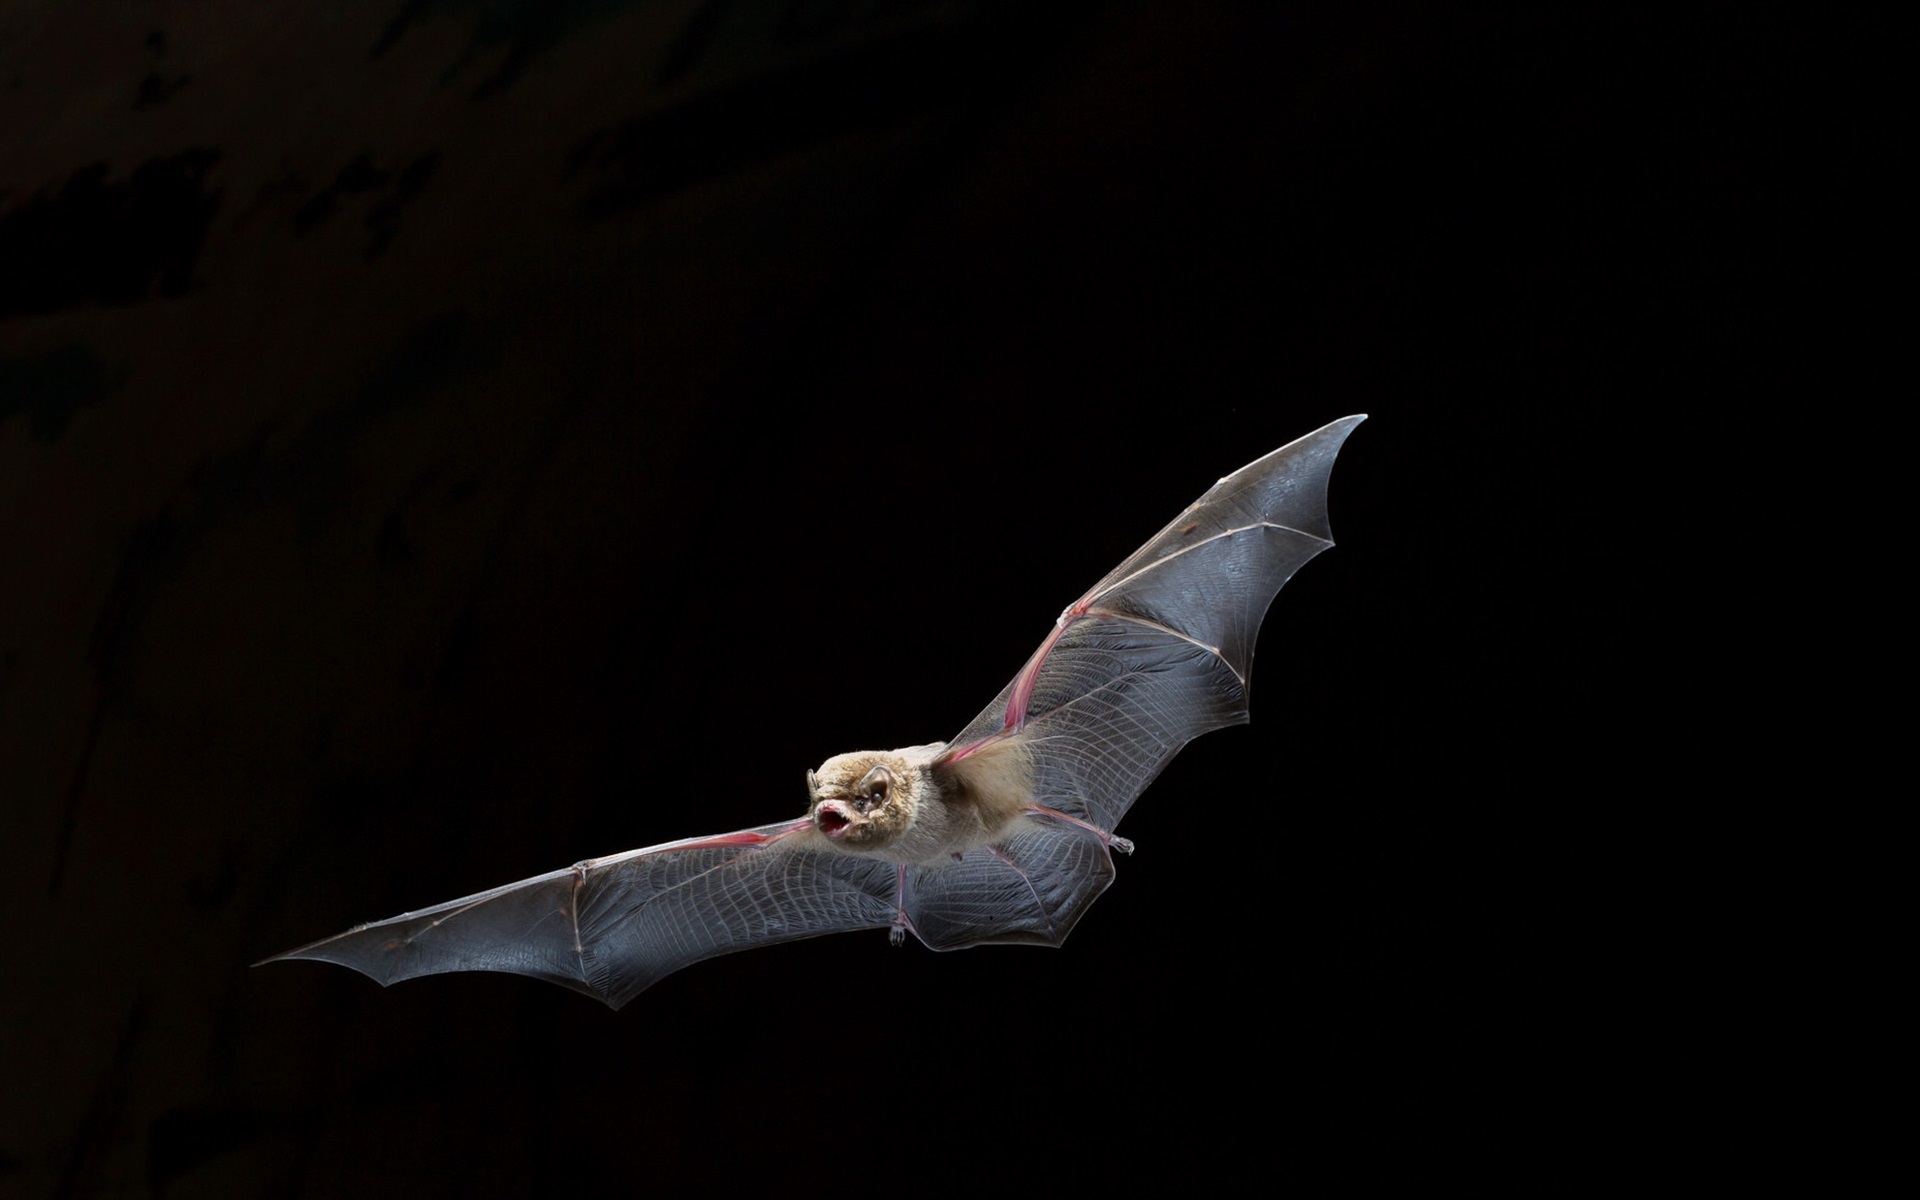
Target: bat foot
x=901 y=922
x=1123 y=845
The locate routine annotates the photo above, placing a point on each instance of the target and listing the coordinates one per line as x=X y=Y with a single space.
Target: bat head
x=870 y=800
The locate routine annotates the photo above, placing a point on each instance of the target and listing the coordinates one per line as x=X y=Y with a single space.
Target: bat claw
x=897 y=935
x=1123 y=845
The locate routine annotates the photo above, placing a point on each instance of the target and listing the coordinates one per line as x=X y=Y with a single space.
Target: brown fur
x=937 y=808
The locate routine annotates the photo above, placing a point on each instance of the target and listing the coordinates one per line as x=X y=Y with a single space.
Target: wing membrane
x=1031 y=887
x=612 y=927
x=1161 y=649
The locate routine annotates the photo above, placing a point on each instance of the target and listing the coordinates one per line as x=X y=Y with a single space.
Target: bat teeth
x=832 y=821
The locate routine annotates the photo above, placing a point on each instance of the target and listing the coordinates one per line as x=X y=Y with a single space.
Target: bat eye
x=873 y=789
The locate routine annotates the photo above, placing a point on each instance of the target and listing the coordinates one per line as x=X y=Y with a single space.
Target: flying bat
x=1003 y=834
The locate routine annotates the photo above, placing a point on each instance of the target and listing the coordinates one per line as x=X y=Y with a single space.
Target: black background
x=443 y=441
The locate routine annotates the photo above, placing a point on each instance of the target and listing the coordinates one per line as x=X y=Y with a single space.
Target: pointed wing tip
x=1333 y=432
x=1345 y=424
x=284 y=956
x=612 y=1001
x=297 y=956
x=311 y=951
x=298 y=952
x=344 y=949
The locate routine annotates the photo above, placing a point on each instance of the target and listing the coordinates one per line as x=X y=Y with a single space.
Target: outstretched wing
x=611 y=927
x=1161 y=649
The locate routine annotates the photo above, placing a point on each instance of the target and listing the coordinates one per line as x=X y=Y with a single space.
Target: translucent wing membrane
x=612 y=927
x=1030 y=887
x=1161 y=649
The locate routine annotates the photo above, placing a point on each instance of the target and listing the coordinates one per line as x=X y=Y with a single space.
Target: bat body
x=1004 y=834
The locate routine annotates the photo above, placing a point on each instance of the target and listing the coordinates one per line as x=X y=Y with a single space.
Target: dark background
x=443 y=441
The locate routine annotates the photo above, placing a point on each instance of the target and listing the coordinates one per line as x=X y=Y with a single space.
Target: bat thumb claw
x=1123 y=845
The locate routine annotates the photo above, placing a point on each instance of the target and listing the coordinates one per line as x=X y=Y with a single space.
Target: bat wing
x=611 y=927
x=1155 y=654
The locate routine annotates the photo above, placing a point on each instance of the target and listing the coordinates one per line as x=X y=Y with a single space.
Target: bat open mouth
x=831 y=821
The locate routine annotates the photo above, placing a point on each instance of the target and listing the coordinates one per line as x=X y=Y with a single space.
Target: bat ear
x=874 y=789
x=813 y=785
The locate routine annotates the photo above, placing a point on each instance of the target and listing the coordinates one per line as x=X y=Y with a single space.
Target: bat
x=1004 y=834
